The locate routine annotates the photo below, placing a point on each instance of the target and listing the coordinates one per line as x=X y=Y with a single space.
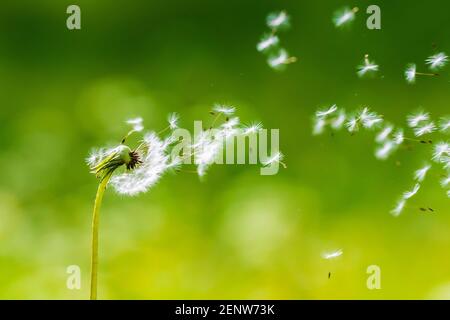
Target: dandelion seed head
x=410 y=73
x=437 y=61
x=154 y=162
x=267 y=42
x=332 y=255
x=425 y=129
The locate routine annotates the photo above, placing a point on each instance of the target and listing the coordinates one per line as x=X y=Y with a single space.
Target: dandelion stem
x=95 y=223
x=426 y=74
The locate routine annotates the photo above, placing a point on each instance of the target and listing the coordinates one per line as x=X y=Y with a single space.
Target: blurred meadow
x=235 y=234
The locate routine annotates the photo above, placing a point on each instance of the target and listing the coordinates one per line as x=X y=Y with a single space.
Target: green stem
x=95 y=222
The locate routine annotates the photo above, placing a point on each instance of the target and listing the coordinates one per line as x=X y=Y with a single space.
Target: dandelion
x=278 y=20
x=327 y=112
x=415 y=119
x=367 y=67
x=408 y=194
x=384 y=134
x=344 y=16
x=420 y=174
x=280 y=60
x=398 y=208
x=411 y=73
x=132 y=171
x=437 y=61
x=268 y=41
x=425 y=129
x=385 y=150
x=332 y=255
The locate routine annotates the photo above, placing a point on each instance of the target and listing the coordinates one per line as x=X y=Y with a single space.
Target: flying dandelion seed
x=398 y=208
x=385 y=150
x=384 y=134
x=253 y=128
x=280 y=60
x=344 y=16
x=437 y=61
x=420 y=174
x=444 y=124
x=367 y=67
x=172 y=119
x=267 y=42
x=415 y=119
x=276 y=158
x=409 y=194
x=399 y=137
x=352 y=125
x=327 y=112
x=278 y=20
x=338 y=122
x=332 y=255
x=319 y=126
x=425 y=129
x=227 y=110
x=445 y=181
x=136 y=123
x=369 y=119
x=411 y=73
x=441 y=150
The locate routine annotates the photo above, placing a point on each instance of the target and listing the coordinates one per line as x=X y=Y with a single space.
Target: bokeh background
x=236 y=234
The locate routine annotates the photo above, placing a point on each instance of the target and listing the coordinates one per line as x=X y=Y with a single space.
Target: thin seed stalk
x=95 y=223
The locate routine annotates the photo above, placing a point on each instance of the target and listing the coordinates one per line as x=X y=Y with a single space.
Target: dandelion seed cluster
x=153 y=157
x=278 y=58
x=388 y=140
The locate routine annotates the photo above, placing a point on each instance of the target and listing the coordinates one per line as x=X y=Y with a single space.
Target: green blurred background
x=236 y=234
